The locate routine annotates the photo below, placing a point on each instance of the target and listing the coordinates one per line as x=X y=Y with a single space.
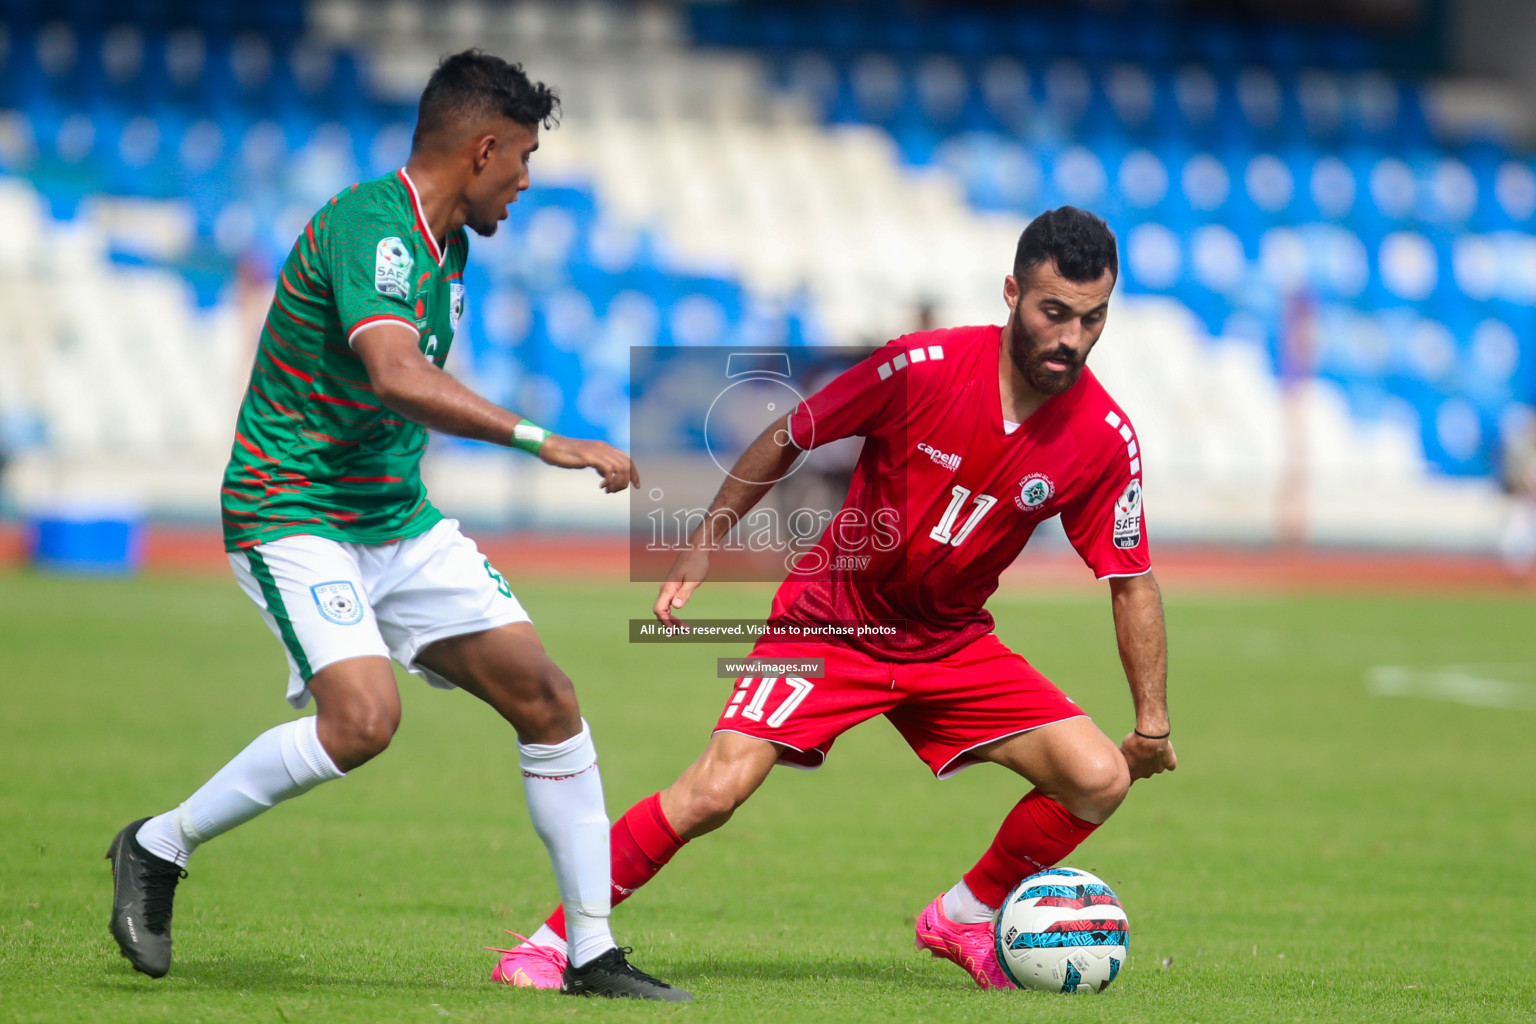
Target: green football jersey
x=315 y=451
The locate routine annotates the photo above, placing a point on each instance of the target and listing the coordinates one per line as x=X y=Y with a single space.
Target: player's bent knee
x=547 y=686
x=558 y=691
x=704 y=804
x=357 y=735
x=546 y=709
x=708 y=792
x=374 y=734
x=1099 y=785
x=713 y=805
x=547 y=683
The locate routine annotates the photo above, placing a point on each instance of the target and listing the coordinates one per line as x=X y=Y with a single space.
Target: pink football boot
x=969 y=945
x=529 y=966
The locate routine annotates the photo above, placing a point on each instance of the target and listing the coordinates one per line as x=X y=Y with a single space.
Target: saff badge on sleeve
x=392 y=263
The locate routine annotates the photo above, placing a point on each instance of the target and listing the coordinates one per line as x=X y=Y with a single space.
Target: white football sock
x=547 y=937
x=565 y=801
x=280 y=763
x=962 y=907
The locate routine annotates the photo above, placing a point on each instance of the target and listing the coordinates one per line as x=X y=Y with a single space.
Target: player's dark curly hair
x=1078 y=242
x=471 y=84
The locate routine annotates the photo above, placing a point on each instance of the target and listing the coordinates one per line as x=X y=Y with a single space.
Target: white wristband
x=528 y=436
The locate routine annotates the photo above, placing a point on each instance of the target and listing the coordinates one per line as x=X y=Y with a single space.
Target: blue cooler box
x=87 y=539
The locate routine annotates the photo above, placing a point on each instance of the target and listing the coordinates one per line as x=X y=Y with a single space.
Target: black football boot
x=143 y=889
x=613 y=976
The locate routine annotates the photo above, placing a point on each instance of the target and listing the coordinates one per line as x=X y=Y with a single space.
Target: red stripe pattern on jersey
x=314 y=450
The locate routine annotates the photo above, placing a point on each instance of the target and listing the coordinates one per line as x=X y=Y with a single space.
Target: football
x=1062 y=930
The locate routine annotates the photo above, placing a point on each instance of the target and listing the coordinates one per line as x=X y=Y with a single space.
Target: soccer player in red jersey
x=973 y=436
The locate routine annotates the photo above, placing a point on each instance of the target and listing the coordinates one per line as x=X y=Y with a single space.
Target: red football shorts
x=944 y=709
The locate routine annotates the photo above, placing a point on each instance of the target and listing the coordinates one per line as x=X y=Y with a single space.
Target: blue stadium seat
x=1346 y=49
x=969 y=35
x=1130 y=94
x=1035 y=34
x=1232 y=189
x=1218 y=43
x=1287 y=46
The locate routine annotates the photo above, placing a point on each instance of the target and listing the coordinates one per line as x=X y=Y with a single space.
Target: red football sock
x=1036 y=834
x=641 y=843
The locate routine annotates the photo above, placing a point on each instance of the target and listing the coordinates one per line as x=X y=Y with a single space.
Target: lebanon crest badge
x=1128 y=516
x=392 y=263
x=1034 y=490
x=338 y=602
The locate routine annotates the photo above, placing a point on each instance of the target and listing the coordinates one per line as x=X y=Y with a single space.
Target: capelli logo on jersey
x=949 y=462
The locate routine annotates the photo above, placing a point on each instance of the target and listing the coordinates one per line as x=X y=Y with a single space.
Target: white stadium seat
x=733 y=179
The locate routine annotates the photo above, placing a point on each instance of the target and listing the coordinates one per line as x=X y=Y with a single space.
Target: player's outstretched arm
x=412 y=385
x=616 y=469
x=765 y=461
x=1143 y=640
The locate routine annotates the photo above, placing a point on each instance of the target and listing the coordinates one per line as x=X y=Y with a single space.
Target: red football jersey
x=943 y=498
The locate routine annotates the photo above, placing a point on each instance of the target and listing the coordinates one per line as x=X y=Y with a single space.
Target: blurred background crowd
x=1325 y=327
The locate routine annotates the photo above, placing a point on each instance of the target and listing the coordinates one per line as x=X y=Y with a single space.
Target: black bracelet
x=1144 y=736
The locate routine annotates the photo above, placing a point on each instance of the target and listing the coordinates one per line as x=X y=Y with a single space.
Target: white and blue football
x=1062 y=930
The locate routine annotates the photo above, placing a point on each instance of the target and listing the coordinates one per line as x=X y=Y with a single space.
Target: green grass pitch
x=1324 y=852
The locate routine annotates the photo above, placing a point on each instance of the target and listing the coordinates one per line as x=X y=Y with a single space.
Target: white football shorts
x=329 y=600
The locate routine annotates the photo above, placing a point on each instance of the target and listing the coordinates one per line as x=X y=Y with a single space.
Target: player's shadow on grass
x=285 y=976
x=917 y=975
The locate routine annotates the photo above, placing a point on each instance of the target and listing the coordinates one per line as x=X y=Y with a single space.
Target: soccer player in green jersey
x=330 y=532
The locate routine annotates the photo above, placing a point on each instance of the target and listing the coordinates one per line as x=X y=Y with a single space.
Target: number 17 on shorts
x=752 y=695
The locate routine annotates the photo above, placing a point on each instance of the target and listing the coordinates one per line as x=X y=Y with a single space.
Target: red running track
x=199 y=550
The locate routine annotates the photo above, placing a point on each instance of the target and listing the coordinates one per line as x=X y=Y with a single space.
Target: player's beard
x=1029 y=355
